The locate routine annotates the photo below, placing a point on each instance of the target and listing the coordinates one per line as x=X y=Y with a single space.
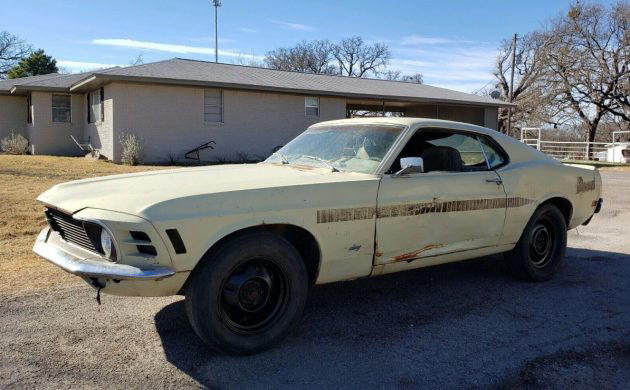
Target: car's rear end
x=587 y=199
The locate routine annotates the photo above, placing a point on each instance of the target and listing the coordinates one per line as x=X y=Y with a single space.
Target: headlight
x=107 y=243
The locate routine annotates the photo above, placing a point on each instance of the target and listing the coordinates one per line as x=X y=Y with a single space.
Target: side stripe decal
x=584 y=186
x=405 y=210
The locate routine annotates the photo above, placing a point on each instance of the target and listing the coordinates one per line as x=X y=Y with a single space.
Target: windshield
x=355 y=148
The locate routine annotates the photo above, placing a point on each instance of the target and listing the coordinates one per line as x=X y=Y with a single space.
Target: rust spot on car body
x=414 y=254
x=377 y=253
x=583 y=186
x=343 y=215
x=414 y=209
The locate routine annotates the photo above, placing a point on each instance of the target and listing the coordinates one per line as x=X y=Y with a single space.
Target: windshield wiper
x=326 y=162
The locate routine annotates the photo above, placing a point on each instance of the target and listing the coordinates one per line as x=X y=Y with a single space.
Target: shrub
x=242 y=158
x=172 y=158
x=14 y=144
x=131 y=149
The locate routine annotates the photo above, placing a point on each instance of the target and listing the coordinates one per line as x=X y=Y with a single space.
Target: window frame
x=404 y=141
x=52 y=108
x=29 y=112
x=90 y=101
x=102 y=97
x=306 y=107
x=222 y=106
x=494 y=144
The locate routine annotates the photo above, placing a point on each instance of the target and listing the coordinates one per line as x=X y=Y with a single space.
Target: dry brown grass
x=22 y=179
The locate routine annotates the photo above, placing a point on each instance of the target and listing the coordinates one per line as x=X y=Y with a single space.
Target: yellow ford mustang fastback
x=346 y=199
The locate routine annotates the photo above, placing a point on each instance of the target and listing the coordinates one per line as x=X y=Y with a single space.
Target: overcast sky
x=452 y=43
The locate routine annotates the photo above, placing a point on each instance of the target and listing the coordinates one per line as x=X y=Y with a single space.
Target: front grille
x=70 y=229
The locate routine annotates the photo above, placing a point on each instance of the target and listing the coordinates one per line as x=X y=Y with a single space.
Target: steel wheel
x=249 y=294
x=253 y=295
x=539 y=252
x=542 y=243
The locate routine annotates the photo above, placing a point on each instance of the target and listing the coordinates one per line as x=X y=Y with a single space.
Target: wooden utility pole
x=509 y=124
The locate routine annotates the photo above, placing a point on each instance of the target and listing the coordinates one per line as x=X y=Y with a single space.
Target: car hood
x=135 y=192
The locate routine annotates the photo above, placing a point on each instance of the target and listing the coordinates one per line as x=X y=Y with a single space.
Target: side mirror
x=410 y=165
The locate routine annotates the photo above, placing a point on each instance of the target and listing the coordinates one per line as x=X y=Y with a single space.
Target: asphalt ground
x=460 y=325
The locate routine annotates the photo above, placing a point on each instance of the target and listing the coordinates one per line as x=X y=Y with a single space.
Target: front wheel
x=248 y=295
x=540 y=251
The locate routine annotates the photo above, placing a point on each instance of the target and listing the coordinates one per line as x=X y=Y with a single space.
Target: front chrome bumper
x=96 y=267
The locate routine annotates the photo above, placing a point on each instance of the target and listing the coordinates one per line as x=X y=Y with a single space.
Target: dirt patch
x=22 y=179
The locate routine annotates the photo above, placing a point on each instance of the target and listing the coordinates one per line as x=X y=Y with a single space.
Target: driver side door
x=458 y=204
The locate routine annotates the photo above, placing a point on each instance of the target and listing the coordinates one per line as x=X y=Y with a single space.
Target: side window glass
x=447 y=151
x=494 y=157
x=455 y=147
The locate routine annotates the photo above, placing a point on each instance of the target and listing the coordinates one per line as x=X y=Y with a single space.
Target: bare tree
x=355 y=58
x=139 y=60
x=587 y=63
x=396 y=75
x=12 y=50
x=349 y=57
x=619 y=68
x=528 y=93
x=416 y=78
x=308 y=57
x=391 y=75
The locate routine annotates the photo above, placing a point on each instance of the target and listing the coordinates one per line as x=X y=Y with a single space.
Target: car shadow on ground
x=470 y=312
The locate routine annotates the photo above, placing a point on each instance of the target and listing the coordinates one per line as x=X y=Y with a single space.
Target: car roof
x=517 y=150
x=410 y=122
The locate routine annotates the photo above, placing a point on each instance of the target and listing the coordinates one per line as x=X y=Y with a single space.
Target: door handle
x=496 y=181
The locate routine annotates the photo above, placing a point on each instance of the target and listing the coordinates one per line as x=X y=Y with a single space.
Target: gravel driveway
x=465 y=324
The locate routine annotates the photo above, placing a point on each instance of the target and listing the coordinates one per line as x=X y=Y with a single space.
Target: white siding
x=170 y=120
x=12 y=115
x=51 y=138
x=101 y=134
x=491 y=118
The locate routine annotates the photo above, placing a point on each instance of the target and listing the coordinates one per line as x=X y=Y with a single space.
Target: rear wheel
x=540 y=251
x=248 y=295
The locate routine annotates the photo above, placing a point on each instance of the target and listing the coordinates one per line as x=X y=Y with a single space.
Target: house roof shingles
x=52 y=81
x=6 y=85
x=193 y=72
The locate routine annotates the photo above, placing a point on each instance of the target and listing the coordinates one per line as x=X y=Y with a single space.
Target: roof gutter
x=83 y=82
x=24 y=89
x=100 y=79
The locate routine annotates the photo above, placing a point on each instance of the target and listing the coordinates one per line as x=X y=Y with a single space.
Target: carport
x=478 y=115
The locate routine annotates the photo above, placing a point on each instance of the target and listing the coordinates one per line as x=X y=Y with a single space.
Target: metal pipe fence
x=574 y=150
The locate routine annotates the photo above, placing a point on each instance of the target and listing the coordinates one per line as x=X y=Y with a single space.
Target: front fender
x=199 y=235
x=121 y=224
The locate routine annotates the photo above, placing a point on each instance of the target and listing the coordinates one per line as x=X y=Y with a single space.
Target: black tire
x=248 y=295
x=540 y=251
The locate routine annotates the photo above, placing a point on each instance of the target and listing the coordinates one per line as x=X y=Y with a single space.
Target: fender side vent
x=147 y=249
x=140 y=236
x=176 y=240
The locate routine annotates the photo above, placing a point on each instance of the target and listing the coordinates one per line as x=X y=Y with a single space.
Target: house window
x=311 y=106
x=95 y=104
x=213 y=106
x=29 y=109
x=61 y=109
